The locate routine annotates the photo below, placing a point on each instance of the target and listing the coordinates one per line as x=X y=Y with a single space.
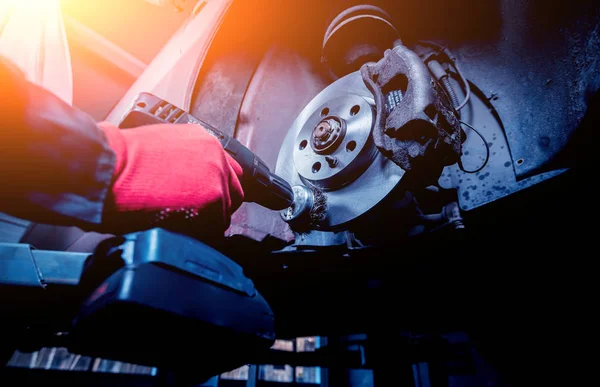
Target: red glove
x=173 y=176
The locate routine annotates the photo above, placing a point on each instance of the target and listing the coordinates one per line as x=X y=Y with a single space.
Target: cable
x=487 y=151
x=451 y=92
x=465 y=83
x=452 y=60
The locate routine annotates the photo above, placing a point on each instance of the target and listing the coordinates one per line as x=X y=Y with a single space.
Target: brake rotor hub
x=339 y=134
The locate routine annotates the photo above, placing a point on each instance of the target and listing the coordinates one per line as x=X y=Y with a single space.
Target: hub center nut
x=322 y=131
x=328 y=135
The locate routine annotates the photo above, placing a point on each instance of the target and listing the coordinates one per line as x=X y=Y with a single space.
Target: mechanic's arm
x=58 y=166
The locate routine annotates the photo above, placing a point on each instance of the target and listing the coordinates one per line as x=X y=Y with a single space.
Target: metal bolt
x=332 y=161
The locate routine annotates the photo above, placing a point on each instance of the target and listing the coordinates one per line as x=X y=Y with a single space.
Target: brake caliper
x=415 y=125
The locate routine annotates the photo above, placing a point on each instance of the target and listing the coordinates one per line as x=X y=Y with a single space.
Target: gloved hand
x=59 y=168
x=173 y=176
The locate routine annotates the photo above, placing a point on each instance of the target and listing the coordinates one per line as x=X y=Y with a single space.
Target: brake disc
x=330 y=147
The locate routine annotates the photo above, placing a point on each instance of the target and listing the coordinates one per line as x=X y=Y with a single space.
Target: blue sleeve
x=55 y=163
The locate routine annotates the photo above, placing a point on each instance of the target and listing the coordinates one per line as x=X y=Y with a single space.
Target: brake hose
x=446 y=82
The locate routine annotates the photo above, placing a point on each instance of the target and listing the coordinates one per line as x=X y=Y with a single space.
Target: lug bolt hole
x=316 y=167
x=351 y=146
x=354 y=111
x=520 y=161
x=324 y=112
x=303 y=144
